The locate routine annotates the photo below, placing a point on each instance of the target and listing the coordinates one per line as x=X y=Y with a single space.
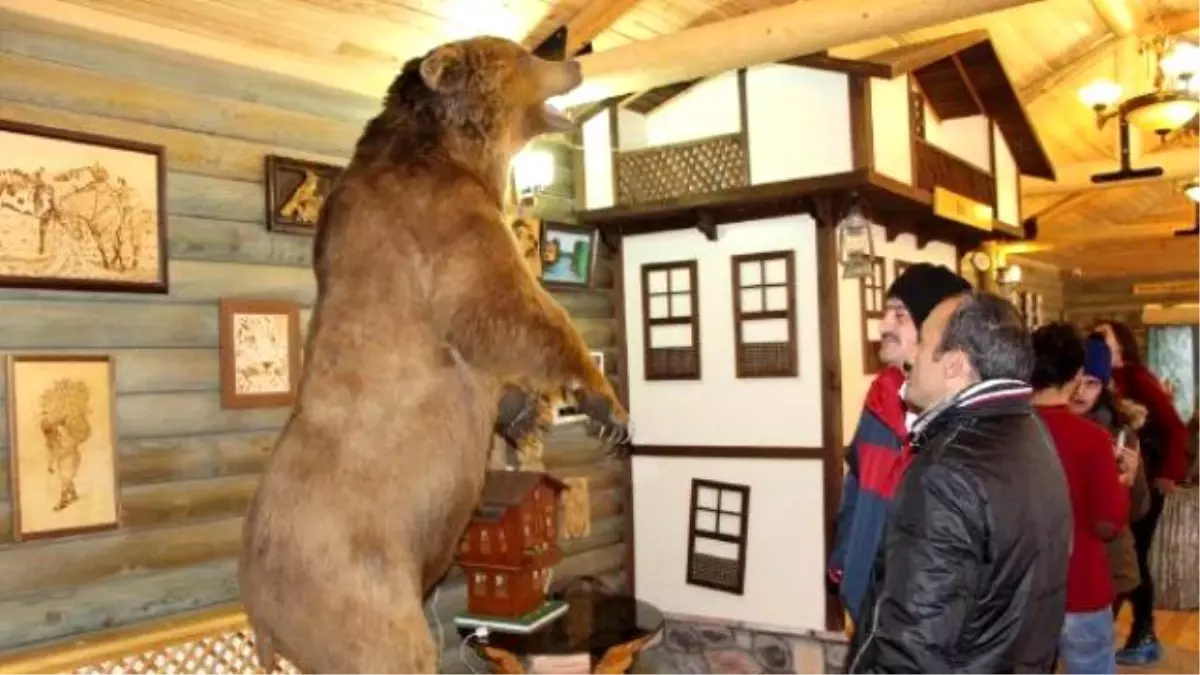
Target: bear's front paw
x=519 y=416
x=607 y=421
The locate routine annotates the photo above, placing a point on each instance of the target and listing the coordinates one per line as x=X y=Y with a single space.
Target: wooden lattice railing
x=216 y=640
x=704 y=166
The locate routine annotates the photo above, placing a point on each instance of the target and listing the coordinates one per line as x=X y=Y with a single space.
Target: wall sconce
x=1008 y=276
x=533 y=171
x=855 y=242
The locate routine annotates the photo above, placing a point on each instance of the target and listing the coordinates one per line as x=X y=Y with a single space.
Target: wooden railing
x=936 y=167
x=704 y=166
x=214 y=640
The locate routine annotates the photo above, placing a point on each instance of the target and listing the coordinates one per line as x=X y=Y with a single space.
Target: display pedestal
x=527 y=623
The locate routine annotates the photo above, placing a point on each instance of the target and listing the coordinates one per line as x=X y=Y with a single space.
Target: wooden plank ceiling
x=1048 y=48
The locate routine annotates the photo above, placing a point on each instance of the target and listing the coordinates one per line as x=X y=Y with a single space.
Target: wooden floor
x=1179 y=629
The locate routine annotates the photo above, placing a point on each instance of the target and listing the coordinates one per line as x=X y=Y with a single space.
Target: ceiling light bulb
x=1192 y=189
x=1100 y=94
x=1182 y=60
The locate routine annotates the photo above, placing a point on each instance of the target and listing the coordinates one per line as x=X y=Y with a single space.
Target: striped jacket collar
x=998 y=396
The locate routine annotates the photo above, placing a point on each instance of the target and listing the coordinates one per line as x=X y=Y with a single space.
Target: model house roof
x=503 y=490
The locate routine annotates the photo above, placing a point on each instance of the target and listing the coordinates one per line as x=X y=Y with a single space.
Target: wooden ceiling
x=1049 y=48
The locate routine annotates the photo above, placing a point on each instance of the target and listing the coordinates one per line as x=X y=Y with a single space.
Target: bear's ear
x=439 y=66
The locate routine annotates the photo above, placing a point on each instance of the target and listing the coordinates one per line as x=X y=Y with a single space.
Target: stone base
x=705 y=646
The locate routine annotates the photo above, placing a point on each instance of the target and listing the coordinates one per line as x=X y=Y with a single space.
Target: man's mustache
x=886 y=337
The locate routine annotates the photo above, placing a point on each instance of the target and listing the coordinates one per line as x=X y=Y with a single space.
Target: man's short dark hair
x=1058 y=355
x=988 y=329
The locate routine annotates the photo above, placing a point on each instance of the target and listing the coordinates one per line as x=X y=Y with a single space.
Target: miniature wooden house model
x=511 y=543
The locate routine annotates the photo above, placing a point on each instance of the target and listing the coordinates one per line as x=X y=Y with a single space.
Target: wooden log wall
x=1046 y=280
x=187 y=467
x=1089 y=301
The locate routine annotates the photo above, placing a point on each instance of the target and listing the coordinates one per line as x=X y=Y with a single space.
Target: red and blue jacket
x=876 y=459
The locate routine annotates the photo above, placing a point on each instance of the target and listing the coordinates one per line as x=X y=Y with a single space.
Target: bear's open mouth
x=556 y=119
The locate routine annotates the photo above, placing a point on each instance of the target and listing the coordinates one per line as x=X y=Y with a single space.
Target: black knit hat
x=923 y=286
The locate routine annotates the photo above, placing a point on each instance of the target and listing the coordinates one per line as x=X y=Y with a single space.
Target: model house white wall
x=799 y=126
x=855 y=379
x=891 y=128
x=1008 y=187
x=965 y=137
x=784 y=568
x=784 y=579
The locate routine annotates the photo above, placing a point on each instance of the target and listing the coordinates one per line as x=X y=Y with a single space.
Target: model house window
x=672 y=321
x=717 y=535
x=764 y=308
x=501 y=589
x=870 y=293
x=481 y=584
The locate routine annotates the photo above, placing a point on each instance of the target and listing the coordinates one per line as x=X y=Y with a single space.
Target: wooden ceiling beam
x=1117 y=15
x=1142 y=229
x=593 y=19
x=768 y=35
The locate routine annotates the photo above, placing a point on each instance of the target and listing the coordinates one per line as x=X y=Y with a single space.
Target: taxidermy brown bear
x=425 y=318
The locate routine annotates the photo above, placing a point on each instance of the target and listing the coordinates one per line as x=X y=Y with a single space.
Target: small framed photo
x=568 y=256
x=81 y=212
x=260 y=352
x=567 y=413
x=296 y=189
x=527 y=232
x=63 y=444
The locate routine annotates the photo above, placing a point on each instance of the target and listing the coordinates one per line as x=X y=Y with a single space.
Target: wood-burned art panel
x=671 y=311
x=764 y=314
x=717 y=535
x=871 y=291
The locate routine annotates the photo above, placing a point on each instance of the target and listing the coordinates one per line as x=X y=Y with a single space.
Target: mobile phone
x=1121 y=438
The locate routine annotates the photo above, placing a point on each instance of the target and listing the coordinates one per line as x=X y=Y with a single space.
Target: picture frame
x=575 y=270
x=260 y=356
x=567 y=413
x=296 y=190
x=62 y=444
x=81 y=211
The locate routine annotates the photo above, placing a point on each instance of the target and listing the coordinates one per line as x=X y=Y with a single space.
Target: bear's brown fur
x=425 y=314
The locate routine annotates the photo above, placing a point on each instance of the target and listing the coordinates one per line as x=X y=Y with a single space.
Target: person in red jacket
x=1099 y=503
x=1164 y=441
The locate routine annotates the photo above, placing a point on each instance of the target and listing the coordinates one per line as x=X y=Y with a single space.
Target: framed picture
x=81 y=211
x=62 y=441
x=260 y=352
x=296 y=189
x=568 y=255
x=566 y=413
x=528 y=232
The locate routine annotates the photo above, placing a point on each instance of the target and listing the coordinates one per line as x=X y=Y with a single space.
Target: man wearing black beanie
x=879 y=452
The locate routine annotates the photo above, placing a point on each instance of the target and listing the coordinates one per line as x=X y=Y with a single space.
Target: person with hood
x=1096 y=400
x=879 y=451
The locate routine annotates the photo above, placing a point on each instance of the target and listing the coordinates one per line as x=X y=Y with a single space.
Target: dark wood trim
x=823 y=61
x=627 y=522
x=791 y=364
x=862 y=141
x=870 y=348
x=693 y=318
x=916 y=123
x=744 y=122
x=729 y=451
x=909 y=57
x=740 y=539
x=828 y=284
x=614 y=141
x=970 y=86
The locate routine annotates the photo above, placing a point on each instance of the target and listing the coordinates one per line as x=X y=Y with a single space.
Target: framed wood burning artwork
x=717 y=535
x=62 y=441
x=296 y=189
x=260 y=352
x=764 y=314
x=568 y=256
x=81 y=211
x=528 y=233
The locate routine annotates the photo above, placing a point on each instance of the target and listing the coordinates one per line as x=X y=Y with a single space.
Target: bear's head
x=483 y=97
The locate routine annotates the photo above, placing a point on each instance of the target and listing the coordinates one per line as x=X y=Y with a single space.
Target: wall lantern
x=856 y=245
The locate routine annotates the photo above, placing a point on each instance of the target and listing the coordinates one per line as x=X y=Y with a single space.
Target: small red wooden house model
x=511 y=543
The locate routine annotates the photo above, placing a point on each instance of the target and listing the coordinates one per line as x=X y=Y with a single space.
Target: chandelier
x=1172 y=67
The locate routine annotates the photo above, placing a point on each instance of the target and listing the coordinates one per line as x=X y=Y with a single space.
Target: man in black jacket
x=973 y=575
